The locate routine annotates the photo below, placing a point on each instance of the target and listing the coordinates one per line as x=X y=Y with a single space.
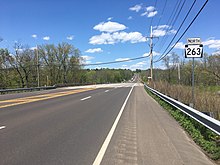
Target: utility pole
x=151 y=53
x=179 y=78
x=38 y=74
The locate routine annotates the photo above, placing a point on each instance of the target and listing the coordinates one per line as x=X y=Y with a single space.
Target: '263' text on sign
x=193 y=51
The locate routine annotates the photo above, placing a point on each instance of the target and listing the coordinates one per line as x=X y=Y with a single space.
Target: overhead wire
x=151 y=22
x=180 y=25
x=105 y=63
x=164 y=55
x=162 y=13
x=172 y=21
x=113 y=62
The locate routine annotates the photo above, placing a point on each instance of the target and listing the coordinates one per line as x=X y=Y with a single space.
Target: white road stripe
x=2 y=127
x=85 y=98
x=104 y=147
x=107 y=91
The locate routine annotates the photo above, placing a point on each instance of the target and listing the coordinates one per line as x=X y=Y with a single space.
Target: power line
x=103 y=63
x=113 y=62
x=179 y=27
x=152 y=17
x=162 y=12
x=172 y=22
x=169 y=19
x=163 y=56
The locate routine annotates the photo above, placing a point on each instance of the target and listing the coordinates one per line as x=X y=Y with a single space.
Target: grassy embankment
x=206 y=139
x=207 y=98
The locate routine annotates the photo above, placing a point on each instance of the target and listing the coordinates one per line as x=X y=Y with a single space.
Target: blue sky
x=107 y=30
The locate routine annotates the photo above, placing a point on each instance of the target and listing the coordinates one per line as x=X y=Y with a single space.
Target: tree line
x=179 y=71
x=51 y=64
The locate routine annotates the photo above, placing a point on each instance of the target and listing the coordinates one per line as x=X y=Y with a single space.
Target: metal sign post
x=193 y=95
x=194 y=49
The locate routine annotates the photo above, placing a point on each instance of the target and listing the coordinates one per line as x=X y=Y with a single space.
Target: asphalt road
x=70 y=126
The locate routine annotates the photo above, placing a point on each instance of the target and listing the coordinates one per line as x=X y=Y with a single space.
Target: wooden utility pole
x=151 y=53
x=38 y=74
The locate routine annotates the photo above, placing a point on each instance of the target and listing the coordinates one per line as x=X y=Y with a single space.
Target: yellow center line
x=29 y=99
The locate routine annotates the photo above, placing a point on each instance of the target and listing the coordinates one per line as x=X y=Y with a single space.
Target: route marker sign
x=193 y=51
x=194 y=48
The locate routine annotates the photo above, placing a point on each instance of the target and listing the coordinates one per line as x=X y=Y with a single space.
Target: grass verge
x=205 y=138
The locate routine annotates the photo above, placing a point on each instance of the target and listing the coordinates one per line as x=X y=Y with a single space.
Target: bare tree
x=214 y=66
x=22 y=61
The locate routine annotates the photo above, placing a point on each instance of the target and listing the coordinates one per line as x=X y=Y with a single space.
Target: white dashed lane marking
x=104 y=147
x=2 y=127
x=85 y=98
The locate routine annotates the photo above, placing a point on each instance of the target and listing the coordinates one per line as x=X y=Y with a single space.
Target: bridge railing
x=205 y=120
x=4 y=91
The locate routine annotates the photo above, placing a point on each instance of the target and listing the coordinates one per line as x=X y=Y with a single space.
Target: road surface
x=108 y=124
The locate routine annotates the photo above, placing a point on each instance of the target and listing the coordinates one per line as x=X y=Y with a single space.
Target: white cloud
x=136 y=8
x=124 y=67
x=180 y=45
x=150 y=12
x=20 y=50
x=109 y=27
x=133 y=37
x=130 y=17
x=159 y=32
x=95 y=50
x=33 y=48
x=107 y=38
x=162 y=30
x=212 y=43
x=140 y=65
x=46 y=38
x=104 y=38
x=216 y=52
x=145 y=54
x=162 y=27
x=154 y=54
x=87 y=62
x=171 y=32
x=34 y=36
x=70 y=37
x=150 y=8
x=87 y=58
x=122 y=59
x=110 y=18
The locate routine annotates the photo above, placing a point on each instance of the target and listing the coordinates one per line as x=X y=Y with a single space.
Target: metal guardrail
x=3 y=91
x=205 y=120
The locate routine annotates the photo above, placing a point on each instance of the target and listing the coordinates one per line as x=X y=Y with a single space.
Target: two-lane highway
x=67 y=129
x=107 y=124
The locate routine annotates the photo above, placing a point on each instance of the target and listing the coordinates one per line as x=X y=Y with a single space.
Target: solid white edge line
x=2 y=127
x=104 y=147
x=85 y=98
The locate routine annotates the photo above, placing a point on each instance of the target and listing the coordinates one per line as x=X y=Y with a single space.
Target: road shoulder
x=147 y=134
